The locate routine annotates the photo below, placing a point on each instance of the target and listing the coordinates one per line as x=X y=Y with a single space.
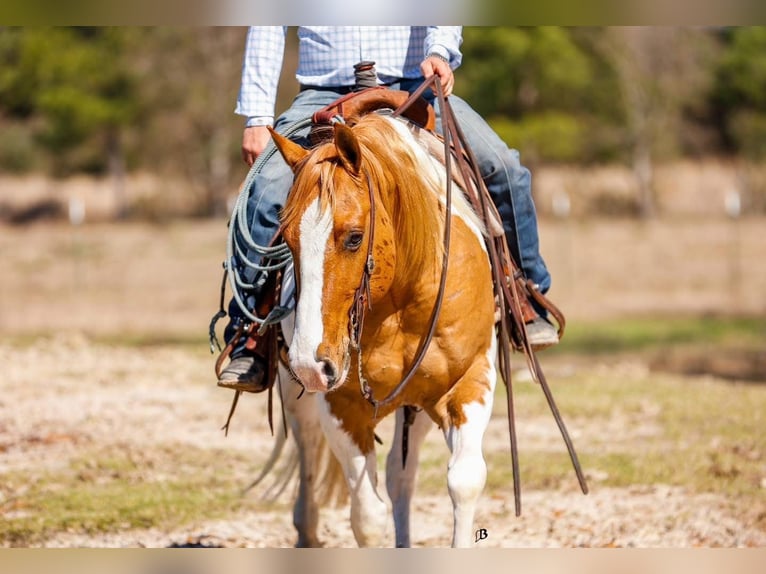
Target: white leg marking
x=369 y=514
x=315 y=228
x=467 y=471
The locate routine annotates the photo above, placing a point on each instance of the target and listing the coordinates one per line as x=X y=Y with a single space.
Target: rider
x=404 y=56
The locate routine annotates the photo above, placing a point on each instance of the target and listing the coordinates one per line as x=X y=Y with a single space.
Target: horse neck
x=407 y=183
x=412 y=216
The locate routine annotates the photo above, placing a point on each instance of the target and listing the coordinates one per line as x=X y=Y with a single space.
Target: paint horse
x=364 y=221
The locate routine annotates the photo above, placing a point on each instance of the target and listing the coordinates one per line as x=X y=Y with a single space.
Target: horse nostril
x=330 y=371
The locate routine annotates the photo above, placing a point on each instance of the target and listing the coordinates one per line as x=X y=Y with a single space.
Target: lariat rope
x=240 y=241
x=272 y=258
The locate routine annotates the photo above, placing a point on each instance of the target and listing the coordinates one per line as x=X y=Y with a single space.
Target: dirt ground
x=70 y=299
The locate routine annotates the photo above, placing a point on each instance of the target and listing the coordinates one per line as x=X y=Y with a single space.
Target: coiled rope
x=242 y=252
x=240 y=241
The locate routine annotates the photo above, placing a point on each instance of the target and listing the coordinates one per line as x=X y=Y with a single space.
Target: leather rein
x=362 y=294
x=508 y=280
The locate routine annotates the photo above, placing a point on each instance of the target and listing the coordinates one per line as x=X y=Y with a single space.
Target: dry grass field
x=110 y=419
x=156 y=281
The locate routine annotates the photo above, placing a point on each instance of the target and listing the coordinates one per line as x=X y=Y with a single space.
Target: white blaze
x=315 y=228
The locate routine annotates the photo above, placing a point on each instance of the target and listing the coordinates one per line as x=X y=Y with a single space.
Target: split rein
x=362 y=295
x=509 y=286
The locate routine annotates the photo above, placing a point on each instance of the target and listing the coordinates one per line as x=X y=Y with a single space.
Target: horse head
x=327 y=224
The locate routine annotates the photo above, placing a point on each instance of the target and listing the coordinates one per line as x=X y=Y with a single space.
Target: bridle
x=362 y=297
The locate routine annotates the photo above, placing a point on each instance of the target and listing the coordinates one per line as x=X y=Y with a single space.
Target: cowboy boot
x=541 y=333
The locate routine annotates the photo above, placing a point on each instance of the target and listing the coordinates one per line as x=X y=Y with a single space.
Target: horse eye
x=353 y=240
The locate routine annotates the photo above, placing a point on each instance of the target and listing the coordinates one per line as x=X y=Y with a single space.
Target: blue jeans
x=508 y=182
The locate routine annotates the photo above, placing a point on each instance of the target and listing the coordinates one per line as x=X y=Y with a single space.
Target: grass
x=703 y=434
x=630 y=426
x=114 y=490
x=652 y=333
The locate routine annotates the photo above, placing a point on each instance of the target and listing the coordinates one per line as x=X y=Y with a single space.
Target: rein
x=509 y=285
x=361 y=297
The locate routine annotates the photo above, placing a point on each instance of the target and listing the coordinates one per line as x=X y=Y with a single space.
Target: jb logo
x=481 y=534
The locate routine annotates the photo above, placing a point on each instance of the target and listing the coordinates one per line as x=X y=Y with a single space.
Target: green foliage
x=748 y=128
x=558 y=68
x=514 y=71
x=553 y=136
x=17 y=148
x=489 y=75
x=162 y=98
x=740 y=91
x=546 y=90
x=75 y=80
x=742 y=74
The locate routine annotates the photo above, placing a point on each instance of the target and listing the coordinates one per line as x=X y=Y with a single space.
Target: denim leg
x=267 y=196
x=510 y=186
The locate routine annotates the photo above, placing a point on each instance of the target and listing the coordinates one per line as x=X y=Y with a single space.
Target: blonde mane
x=410 y=199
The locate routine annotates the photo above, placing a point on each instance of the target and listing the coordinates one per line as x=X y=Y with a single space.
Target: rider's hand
x=254 y=141
x=433 y=65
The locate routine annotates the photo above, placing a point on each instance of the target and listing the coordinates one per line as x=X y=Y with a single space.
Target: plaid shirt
x=327 y=55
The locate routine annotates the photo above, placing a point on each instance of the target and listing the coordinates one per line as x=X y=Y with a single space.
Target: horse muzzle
x=321 y=374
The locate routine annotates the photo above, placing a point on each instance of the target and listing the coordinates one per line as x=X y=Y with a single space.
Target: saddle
x=354 y=105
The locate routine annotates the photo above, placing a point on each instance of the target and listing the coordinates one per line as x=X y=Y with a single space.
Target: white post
x=733 y=208
x=76 y=219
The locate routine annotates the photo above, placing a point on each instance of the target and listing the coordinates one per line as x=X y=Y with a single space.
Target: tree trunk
x=644 y=174
x=219 y=172
x=117 y=172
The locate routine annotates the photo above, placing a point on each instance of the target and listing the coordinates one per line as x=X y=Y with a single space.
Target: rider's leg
x=510 y=185
x=268 y=193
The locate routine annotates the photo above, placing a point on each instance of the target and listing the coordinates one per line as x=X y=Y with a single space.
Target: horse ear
x=291 y=151
x=348 y=148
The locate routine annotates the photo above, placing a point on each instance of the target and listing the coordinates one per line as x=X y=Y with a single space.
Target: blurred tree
x=76 y=84
x=111 y=99
x=740 y=91
x=191 y=82
x=662 y=72
x=532 y=85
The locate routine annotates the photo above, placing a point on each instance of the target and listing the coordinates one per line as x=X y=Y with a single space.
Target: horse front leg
x=467 y=470
x=400 y=478
x=369 y=513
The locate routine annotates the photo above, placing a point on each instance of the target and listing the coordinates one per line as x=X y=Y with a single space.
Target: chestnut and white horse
x=375 y=193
